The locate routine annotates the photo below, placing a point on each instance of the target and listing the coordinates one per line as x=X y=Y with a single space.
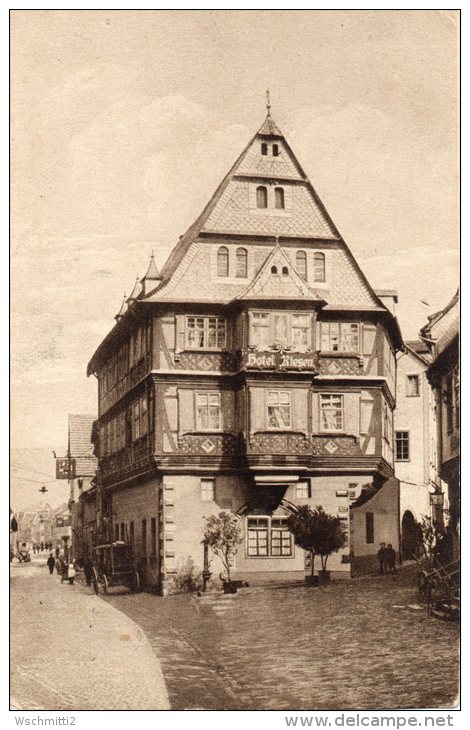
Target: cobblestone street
x=72 y=651
x=354 y=644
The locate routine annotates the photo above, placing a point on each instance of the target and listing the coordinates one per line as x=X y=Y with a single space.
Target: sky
x=124 y=123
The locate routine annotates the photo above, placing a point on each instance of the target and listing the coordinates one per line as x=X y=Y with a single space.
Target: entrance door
x=409 y=536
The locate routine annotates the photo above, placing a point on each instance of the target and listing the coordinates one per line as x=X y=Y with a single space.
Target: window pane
x=319 y=267
x=278 y=198
x=242 y=258
x=350 y=337
x=261 y=197
x=222 y=261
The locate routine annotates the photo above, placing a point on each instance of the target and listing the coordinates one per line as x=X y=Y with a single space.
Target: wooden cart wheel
x=105 y=584
x=94 y=580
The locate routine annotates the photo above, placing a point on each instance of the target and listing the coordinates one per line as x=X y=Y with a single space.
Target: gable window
x=242 y=261
x=301 y=264
x=300 y=332
x=275 y=150
x=369 y=528
x=285 y=271
x=222 y=261
x=206 y=333
x=207 y=490
x=331 y=412
x=402 y=446
x=261 y=197
x=279 y=410
x=339 y=337
x=208 y=411
x=412 y=385
x=278 y=197
x=319 y=267
x=264 y=148
x=274 y=270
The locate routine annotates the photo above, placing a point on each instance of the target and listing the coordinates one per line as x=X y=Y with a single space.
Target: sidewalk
x=72 y=651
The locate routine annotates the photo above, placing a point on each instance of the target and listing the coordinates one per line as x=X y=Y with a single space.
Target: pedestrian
x=57 y=552
x=390 y=559
x=88 y=570
x=51 y=563
x=381 y=555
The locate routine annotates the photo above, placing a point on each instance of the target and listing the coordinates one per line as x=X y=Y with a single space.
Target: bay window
x=281 y=331
x=208 y=411
x=206 y=333
x=331 y=412
x=279 y=409
x=339 y=337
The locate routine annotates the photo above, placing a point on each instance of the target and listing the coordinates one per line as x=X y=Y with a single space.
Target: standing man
x=381 y=555
x=51 y=563
x=390 y=559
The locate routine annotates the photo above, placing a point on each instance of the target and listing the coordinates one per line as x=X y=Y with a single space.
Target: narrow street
x=72 y=651
x=354 y=644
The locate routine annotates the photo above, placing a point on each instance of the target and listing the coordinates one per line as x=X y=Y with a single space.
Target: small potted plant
x=223 y=535
x=319 y=534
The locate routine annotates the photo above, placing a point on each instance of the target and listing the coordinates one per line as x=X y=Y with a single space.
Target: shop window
x=206 y=333
x=279 y=410
x=279 y=198
x=275 y=150
x=261 y=196
x=369 y=528
x=301 y=264
x=339 y=337
x=303 y=490
x=264 y=148
x=207 y=490
x=331 y=412
x=222 y=261
x=242 y=263
x=402 y=446
x=319 y=273
x=208 y=411
x=412 y=385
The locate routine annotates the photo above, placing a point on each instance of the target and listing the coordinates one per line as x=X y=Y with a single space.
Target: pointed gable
x=277 y=279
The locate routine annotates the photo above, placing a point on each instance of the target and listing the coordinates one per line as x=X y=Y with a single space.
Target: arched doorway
x=409 y=536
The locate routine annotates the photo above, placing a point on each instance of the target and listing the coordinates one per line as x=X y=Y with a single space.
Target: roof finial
x=268 y=103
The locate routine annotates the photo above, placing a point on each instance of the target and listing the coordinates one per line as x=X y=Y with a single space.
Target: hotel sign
x=281 y=360
x=65 y=468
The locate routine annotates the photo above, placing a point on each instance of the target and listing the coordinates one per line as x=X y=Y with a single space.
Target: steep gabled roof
x=277 y=279
x=80 y=445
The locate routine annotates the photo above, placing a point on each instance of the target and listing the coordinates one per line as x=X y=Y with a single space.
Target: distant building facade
x=254 y=374
x=416 y=459
x=83 y=465
x=442 y=333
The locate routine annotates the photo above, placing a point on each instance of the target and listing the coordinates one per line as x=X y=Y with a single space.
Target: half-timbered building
x=254 y=373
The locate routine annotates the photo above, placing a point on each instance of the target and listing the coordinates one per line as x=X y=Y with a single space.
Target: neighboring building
x=442 y=333
x=41 y=526
x=61 y=527
x=82 y=464
x=254 y=374
x=415 y=443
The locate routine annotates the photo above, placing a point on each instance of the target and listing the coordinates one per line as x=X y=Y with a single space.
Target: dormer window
x=301 y=264
x=242 y=261
x=262 y=196
x=279 y=198
x=274 y=270
x=285 y=271
x=275 y=150
x=319 y=267
x=222 y=261
x=264 y=148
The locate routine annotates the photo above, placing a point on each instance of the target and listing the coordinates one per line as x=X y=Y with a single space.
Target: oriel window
x=242 y=261
x=205 y=333
x=300 y=332
x=208 y=411
x=260 y=330
x=336 y=337
x=331 y=412
x=279 y=410
x=222 y=261
x=261 y=196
